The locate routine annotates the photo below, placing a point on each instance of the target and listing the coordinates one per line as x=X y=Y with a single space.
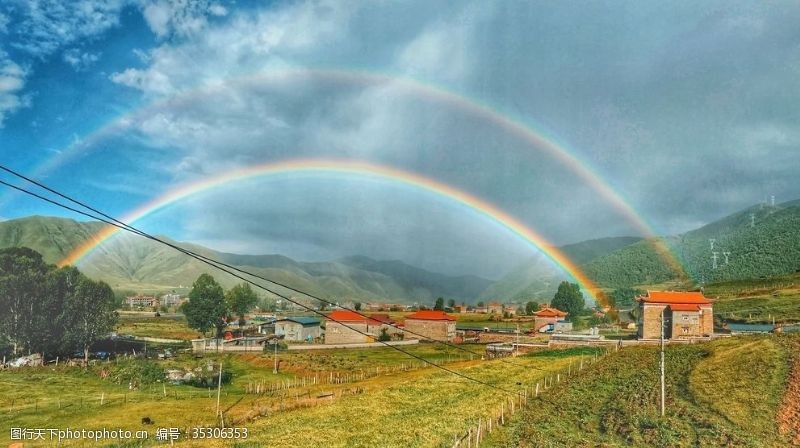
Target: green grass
x=616 y=403
x=155 y=327
x=423 y=407
x=748 y=400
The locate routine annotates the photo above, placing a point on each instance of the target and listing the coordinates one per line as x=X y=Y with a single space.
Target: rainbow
x=510 y=125
x=358 y=168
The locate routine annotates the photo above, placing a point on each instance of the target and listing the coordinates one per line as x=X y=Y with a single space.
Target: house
x=434 y=325
x=170 y=300
x=385 y=322
x=298 y=328
x=495 y=307
x=141 y=301
x=267 y=327
x=350 y=327
x=460 y=308
x=547 y=316
x=511 y=308
x=684 y=315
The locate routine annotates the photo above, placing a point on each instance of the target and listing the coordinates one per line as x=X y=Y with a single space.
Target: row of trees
x=50 y=310
x=210 y=307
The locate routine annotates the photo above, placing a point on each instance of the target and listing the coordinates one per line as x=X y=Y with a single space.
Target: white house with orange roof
x=685 y=315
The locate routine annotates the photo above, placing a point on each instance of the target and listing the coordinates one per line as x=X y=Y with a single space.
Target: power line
x=219 y=266
x=122 y=225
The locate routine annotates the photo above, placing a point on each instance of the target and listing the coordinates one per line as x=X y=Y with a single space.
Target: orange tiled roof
x=670 y=297
x=550 y=312
x=430 y=315
x=346 y=316
x=684 y=307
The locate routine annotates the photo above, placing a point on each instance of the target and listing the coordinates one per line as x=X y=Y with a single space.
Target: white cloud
x=179 y=17
x=48 y=25
x=12 y=80
x=80 y=60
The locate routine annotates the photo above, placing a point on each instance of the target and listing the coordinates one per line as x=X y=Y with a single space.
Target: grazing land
x=335 y=398
x=730 y=392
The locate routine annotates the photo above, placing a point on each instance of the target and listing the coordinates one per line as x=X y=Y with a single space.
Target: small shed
x=298 y=328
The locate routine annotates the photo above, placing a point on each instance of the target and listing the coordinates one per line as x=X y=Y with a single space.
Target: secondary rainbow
x=510 y=125
x=359 y=168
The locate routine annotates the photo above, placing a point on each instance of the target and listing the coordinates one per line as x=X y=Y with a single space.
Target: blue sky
x=687 y=109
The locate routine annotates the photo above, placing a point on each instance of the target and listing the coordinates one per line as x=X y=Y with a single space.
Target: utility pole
x=275 y=357
x=663 y=388
x=219 y=388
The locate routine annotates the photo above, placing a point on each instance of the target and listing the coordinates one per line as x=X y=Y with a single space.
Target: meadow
x=424 y=406
x=725 y=393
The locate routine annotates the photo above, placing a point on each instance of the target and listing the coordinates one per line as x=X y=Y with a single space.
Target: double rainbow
x=354 y=168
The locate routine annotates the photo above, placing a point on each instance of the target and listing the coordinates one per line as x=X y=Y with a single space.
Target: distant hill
x=131 y=262
x=761 y=241
x=538 y=279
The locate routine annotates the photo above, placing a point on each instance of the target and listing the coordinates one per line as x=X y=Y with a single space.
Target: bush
x=136 y=371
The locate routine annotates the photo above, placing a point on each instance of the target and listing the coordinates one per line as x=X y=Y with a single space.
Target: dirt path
x=789 y=412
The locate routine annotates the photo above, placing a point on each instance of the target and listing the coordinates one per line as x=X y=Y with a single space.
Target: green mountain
x=538 y=279
x=130 y=262
x=760 y=241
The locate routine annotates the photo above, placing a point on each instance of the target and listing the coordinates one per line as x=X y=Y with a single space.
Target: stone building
x=349 y=327
x=434 y=325
x=685 y=315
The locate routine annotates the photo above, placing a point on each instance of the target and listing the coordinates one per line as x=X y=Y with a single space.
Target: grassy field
x=146 y=324
x=423 y=406
x=724 y=393
x=757 y=300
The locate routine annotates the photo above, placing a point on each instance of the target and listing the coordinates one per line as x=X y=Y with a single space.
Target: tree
x=240 y=300
x=451 y=303
x=623 y=298
x=531 y=307
x=90 y=314
x=480 y=304
x=439 y=306
x=357 y=306
x=569 y=298
x=22 y=279
x=206 y=305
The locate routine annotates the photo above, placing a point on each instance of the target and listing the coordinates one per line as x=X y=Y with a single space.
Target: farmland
x=398 y=391
x=725 y=393
x=758 y=300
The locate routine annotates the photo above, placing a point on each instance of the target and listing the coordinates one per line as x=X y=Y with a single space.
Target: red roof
x=684 y=307
x=670 y=297
x=430 y=315
x=550 y=312
x=346 y=316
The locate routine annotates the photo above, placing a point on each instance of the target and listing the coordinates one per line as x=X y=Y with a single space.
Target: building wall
x=336 y=333
x=437 y=330
x=686 y=324
x=539 y=322
x=650 y=321
x=683 y=323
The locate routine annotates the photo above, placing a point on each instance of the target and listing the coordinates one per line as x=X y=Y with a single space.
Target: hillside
x=725 y=393
x=538 y=279
x=131 y=262
x=762 y=241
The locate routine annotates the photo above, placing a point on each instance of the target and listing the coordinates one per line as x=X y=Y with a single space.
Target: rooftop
x=670 y=297
x=304 y=321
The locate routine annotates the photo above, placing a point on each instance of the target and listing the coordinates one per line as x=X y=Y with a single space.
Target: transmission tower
x=752 y=219
x=712 y=241
x=726 y=254
x=714 y=256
